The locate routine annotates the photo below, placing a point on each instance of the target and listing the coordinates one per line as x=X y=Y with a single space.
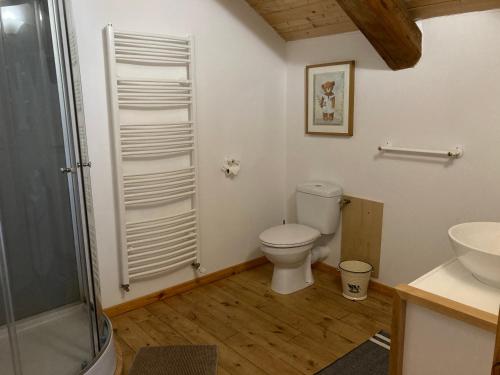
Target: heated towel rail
x=152 y=92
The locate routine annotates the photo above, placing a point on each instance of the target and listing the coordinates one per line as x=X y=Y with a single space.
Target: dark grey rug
x=370 y=358
x=175 y=360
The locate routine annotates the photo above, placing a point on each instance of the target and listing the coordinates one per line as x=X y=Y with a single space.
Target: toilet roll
x=233 y=170
x=231 y=167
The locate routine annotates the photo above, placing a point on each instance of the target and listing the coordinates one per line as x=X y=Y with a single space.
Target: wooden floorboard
x=258 y=331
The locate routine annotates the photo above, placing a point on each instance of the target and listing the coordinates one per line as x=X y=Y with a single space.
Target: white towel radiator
x=152 y=95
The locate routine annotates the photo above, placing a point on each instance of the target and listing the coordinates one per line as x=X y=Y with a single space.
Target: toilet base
x=288 y=279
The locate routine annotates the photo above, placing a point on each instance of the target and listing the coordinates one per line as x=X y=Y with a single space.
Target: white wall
x=451 y=97
x=248 y=77
x=241 y=94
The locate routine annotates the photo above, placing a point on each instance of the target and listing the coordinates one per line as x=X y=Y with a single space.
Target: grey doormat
x=370 y=358
x=175 y=360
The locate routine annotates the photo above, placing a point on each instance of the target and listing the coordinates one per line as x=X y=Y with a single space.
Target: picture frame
x=329 y=99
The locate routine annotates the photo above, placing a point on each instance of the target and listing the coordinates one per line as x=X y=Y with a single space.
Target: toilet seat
x=289 y=235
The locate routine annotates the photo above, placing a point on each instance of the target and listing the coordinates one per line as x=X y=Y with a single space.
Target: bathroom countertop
x=451 y=280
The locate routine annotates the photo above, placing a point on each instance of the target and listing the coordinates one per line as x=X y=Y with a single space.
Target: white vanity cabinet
x=444 y=324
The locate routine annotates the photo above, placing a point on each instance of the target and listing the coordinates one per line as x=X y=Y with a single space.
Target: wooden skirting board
x=405 y=294
x=184 y=287
x=210 y=278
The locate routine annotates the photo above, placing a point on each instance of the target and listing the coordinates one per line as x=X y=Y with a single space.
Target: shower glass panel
x=47 y=318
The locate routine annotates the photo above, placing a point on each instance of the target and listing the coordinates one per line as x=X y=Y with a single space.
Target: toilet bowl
x=290 y=247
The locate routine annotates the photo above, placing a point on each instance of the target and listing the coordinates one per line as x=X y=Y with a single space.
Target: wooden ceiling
x=300 y=19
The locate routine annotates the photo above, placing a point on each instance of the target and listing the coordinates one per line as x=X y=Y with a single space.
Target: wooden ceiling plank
x=310 y=10
x=315 y=20
x=311 y=23
x=299 y=19
x=294 y=26
x=420 y=9
x=320 y=31
x=270 y=6
x=389 y=28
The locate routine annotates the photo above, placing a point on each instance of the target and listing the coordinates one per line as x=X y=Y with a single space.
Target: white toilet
x=290 y=246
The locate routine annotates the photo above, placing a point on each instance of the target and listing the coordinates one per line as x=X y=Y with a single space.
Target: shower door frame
x=8 y=308
x=60 y=22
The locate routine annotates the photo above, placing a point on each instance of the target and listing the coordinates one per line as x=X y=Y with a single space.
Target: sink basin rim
x=453 y=237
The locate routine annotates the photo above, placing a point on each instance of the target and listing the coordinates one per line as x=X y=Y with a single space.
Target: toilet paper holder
x=231 y=167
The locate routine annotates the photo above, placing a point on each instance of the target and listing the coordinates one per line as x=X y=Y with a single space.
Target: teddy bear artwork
x=329 y=100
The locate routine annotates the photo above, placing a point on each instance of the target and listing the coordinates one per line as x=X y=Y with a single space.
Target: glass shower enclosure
x=50 y=315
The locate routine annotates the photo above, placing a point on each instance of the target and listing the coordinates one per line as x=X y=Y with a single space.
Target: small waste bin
x=355 y=278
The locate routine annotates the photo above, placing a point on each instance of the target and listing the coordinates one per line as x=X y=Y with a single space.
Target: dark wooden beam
x=389 y=28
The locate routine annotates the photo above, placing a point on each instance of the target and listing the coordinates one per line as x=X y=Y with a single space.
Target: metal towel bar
x=455 y=153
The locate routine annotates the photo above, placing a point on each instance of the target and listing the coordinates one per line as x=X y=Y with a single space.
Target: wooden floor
x=256 y=330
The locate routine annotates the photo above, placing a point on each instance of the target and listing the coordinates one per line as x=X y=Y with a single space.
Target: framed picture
x=330 y=98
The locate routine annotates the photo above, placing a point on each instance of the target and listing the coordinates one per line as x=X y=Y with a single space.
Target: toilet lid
x=289 y=235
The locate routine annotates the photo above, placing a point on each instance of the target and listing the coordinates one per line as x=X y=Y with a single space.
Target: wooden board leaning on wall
x=362 y=231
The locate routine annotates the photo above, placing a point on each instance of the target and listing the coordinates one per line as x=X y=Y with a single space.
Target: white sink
x=477 y=246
